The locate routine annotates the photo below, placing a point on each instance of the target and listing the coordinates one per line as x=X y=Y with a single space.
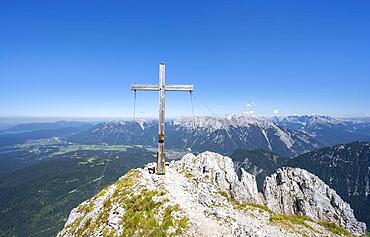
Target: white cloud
x=251 y=104
x=276 y=111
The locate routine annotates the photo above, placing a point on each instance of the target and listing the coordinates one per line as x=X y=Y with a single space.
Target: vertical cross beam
x=162 y=88
x=161 y=159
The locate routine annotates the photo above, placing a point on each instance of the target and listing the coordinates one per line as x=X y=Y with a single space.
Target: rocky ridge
x=204 y=196
x=346 y=169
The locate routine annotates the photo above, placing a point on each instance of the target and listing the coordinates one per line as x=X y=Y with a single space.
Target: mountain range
x=223 y=135
x=328 y=130
x=287 y=136
x=73 y=150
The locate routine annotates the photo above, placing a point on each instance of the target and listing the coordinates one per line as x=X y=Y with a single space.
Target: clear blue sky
x=78 y=58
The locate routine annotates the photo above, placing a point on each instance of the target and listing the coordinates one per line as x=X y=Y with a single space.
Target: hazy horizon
x=5 y=119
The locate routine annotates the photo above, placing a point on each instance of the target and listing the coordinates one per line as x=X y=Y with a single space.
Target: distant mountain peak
x=214 y=123
x=325 y=129
x=307 y=119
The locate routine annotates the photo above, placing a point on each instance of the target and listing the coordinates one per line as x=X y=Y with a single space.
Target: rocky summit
x=204 y=195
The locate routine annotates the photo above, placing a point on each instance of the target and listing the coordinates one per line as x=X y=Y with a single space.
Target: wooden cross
x=162 y=88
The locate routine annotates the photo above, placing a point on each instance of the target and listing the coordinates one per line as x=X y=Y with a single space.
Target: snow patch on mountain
x=223 y=135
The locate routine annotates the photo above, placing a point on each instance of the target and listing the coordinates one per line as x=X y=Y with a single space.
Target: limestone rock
x=204 y=196
x=296 y=191
x=220 y=169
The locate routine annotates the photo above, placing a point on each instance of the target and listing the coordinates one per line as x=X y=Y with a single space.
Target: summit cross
x=162 y=88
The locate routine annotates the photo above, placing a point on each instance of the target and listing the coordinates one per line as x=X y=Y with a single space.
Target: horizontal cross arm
x=145 y=87
x=179 y=87
x=155 y=87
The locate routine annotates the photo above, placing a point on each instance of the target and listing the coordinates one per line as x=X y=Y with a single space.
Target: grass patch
x=128 y=181
x=260 y=207
x=142 y=216
x=225 y=194
x=75 y=225
x=290 y=220
x=188 y=175
x=334 y=228
x=85 y=208
x=146 y=212
x=103 y=192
